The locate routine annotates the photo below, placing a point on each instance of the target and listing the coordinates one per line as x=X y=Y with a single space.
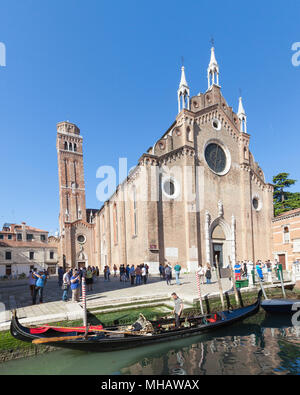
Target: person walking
x=177 y=269
x=132 y=274
x=168 y=274
x=201 y=273
x=144 y=274
x=178 y=307
x=66 y=285
x=138 y=273
x=208 y=273
x=32 y=281
x=115 y=270
x=89 y=279
x=238 y=271
x=39 y=287
x=161 y=271
x=60 y=273
x=75 y=286
x=259 y=270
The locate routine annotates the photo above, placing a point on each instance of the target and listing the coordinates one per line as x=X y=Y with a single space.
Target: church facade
x=196 y=196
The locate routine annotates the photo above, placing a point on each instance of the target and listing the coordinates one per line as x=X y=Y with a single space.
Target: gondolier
x=177 y=309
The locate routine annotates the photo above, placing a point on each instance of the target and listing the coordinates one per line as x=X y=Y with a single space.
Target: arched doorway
x=220 y=242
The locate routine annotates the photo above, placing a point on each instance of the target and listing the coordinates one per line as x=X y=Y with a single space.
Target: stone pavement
x=16 y=294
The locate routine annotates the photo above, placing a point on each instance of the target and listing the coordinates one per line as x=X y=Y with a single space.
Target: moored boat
x=116 y=338
x=280 y=306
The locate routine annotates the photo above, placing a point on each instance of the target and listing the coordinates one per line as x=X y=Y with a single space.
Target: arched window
x=75 y=148
x=70 y=147
x=286 y=234
x=66 y=146
x=115 y=223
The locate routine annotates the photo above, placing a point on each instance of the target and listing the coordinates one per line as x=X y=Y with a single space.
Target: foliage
x=282 y=199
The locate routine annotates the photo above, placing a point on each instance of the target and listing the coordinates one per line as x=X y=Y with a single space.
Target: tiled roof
x=22 y=244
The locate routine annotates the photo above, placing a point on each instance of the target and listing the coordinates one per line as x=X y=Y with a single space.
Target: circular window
x=170 y=188
x=81 y=239
x=216 y=158
x=216 y=124
x=256 y=203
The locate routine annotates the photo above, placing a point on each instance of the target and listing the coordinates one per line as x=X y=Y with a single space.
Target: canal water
x=259 y=345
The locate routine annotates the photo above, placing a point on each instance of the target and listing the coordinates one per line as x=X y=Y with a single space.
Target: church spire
x=242 y=116
x=183 y=93
x=213 y=70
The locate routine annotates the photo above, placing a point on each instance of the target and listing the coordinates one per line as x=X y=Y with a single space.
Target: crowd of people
x=136 y=275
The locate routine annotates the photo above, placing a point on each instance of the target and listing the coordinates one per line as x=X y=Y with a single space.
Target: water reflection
x=260 y=345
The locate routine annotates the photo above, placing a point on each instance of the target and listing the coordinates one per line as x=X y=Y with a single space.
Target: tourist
x=177 y=269
x=115 y=270
x=208 y=273
x=32 y=281
x=177 y=309
x=89 y=279
x=138 y=273
x=201 y=273
x=161 y=271
x=144 y=274
x=107 y=273
x=132 y=274
x=245 y=271
x=97 y=272
x=39 y=286
x=75 y=286
x=60 y=273
x=147 y=270
x=122 y=273
x=259 y=270
x=238 y=271
x=127 y=270
x=94 y=274
x=66 y=285
x=168 y=274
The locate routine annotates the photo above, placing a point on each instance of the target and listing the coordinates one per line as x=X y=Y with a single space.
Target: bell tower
x=70 y=174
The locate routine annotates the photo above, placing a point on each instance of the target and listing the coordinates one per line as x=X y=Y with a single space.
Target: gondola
x=116 y=338
x=280 y=306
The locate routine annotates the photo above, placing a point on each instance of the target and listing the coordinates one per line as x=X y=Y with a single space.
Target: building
x=195 y=196
x=286 y=238
x=23 y=248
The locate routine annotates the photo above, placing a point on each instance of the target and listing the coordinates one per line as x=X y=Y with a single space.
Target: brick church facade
x=195 y=196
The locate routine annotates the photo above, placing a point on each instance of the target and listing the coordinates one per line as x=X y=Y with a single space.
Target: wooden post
x=282 y=284
x=262 y=288
x=84 y=303
x=233 y=281
x=220 y=283
x=199 y=292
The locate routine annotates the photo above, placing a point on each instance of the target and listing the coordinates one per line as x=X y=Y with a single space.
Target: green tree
x=284 y=200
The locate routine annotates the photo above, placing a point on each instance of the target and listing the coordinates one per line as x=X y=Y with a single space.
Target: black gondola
x=103 y=341
x=280 y=306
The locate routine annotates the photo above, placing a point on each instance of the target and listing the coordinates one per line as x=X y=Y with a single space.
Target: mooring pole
x=233 y=281
x=282 y=284
x=84 y=303
x=199 y=292
x=262 y=288
x=220 y=283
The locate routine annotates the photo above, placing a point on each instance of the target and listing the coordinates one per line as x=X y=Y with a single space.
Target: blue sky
x=113 y=68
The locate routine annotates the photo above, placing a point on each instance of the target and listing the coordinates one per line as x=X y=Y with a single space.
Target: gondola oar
x=55 y=339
